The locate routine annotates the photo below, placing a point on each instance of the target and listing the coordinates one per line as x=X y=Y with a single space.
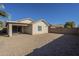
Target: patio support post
x=10 y=30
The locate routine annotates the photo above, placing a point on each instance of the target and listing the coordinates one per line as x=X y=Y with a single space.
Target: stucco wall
x=27 y=29
x=35 y=28
x=9 y=28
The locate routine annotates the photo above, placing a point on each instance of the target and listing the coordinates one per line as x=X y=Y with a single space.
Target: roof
x=25 y=19
x=11 y=21
x=16 y=23
x=57 y=25
x=43 y=20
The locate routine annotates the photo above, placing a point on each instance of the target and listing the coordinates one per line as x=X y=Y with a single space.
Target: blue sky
x=54 y=13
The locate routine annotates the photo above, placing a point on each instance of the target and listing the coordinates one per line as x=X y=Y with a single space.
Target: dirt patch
x=23 y=44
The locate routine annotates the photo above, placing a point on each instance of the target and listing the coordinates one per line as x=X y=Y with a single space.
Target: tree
x=3 y=13
x=1 y=25
x=70 y=24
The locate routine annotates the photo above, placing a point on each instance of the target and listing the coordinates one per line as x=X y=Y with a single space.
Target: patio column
x=10 y=30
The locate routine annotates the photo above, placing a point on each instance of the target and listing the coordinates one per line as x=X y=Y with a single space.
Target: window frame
x=39 y=28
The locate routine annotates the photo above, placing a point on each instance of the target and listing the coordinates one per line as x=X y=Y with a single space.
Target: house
x=56 y=26
x=27 y=26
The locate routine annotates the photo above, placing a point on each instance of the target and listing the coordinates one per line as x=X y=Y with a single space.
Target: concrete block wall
x=64 y=30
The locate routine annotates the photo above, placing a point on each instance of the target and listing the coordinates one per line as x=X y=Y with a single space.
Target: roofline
x=15 y=23
x=43 y=21
x=11 y=22
x=21 y=19
x=29 y=19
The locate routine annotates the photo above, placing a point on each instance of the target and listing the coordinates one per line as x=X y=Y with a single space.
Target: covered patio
x=15 y=27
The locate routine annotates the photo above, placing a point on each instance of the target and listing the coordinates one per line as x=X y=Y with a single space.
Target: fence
x=64 y=30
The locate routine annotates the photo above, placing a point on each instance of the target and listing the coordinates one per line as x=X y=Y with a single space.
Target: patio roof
x=18 y=24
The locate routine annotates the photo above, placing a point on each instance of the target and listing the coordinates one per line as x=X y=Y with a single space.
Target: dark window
x=39 y=28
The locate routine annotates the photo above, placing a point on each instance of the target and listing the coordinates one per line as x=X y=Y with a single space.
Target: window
x=39 y=28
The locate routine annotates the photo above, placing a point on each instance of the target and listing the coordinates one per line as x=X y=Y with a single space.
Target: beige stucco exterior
x=35 y=28
x=9 y=30
x=29 y=27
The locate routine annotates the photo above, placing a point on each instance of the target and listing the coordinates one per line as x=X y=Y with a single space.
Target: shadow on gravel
x=66 y=45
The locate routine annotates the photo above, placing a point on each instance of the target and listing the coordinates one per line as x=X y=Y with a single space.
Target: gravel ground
x=24 y=44
x=66 y=45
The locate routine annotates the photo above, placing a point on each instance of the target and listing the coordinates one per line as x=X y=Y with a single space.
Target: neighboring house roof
x=57 y=25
